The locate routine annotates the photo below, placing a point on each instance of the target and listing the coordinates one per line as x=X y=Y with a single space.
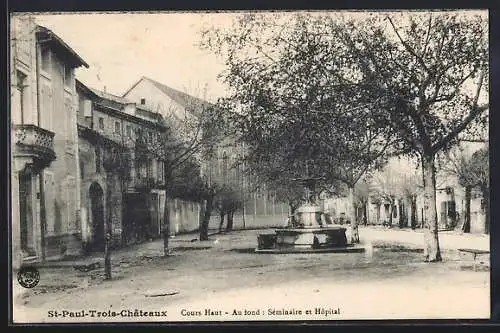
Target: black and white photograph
x=244 y=166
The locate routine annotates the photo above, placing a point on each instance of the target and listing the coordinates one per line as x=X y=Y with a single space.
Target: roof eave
x=87 y=90
x=50 y=35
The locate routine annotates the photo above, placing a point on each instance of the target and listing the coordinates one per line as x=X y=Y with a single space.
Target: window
x=159 y=171
x=98 y=159
x=117 y=127
x=129 y=131
x=150 y=136
x=143 y=101
x=47 y=106
x=45 y=54
x=69 y=121
x=101 y=123
x=87 y=108
x=68 y=75
x=21 y=97
x=82 y=170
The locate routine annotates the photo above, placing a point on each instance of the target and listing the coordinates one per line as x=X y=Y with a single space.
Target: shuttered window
x=46 y=106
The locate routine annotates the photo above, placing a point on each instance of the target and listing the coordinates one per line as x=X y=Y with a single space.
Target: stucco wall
x=155 y=99
x=58 y=114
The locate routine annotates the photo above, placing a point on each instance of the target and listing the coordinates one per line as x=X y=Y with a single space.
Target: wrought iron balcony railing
x=146 y=183
x=33 y=140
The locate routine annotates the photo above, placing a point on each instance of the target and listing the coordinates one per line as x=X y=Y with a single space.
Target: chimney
x=104 y=89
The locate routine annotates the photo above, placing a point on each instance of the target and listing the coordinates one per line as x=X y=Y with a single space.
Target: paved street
x=224 y=274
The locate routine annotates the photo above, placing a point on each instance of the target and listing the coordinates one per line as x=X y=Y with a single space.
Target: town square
x=245 y=166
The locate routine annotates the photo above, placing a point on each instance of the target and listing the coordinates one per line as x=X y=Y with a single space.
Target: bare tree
x=423 y=65
x=472 y=172
x=188 y=136
x=293 y=114
x=415 y=68
x=399 y=187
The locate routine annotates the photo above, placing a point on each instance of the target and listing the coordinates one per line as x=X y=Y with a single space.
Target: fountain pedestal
x=307 y=231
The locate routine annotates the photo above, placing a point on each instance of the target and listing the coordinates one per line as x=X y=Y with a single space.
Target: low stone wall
x=184 y=216
x=251 y=221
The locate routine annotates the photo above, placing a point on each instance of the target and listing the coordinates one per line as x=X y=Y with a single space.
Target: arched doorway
x=97 y=208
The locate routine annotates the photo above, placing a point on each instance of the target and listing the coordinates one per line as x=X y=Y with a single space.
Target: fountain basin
x=305 y=240
x=311 y=237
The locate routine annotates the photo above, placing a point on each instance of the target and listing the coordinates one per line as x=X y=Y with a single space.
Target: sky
x=121 y=48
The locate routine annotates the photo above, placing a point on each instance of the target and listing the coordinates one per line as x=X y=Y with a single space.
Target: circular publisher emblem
x=28 y=277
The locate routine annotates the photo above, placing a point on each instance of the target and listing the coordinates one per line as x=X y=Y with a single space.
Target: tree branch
x=408 y=47
x=475 y=111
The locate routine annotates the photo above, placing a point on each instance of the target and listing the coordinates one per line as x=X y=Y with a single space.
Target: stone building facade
x=44 y=160
x=132 y=193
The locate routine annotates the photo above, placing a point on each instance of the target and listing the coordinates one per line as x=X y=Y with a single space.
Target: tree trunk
x=352 y=216
x=293 y=208
x=206 y=218
x=230 y=219
x=486 y=209
x=221 y=223
x=365 y=213
x=432 y=252
x=107 y=227
x=413 y=203
x=466 y=226
x=166 y=211
x=243 y=214
x=402 y=214
x=391 y=210
x=166 y=225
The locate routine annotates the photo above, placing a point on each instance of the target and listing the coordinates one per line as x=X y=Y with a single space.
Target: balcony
x=144 y=184
x=34 y=142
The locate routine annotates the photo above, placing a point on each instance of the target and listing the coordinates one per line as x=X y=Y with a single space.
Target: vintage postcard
x=249 y=166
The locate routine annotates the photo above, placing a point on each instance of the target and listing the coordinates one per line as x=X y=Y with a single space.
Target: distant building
x=450 y=200
x=44 y=164
x=260 y=206
x=107 y=122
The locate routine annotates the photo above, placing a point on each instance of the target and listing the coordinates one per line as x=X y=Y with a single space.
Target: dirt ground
x=389 y=280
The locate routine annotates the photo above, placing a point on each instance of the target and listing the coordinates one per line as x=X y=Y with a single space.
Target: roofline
x=89 y=91
x=156 y=84
x=128 y=102
x=120 y=114
x=91 y=134
x=133 y=86
x=53 y=37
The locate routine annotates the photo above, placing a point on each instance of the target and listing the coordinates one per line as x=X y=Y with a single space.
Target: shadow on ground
x=229 y=262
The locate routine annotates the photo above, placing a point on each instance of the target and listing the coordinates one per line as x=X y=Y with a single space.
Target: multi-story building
x=44 y=159
x=130 y=193
x=259 y=206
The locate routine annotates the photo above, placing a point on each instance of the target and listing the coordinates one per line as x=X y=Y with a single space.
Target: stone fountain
x=307 y=230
